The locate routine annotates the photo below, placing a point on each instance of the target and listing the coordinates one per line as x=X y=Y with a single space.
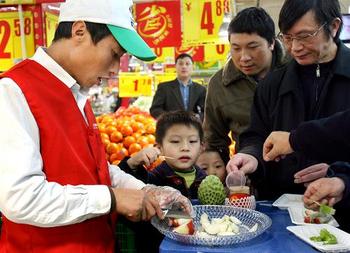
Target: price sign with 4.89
x=202 y=20
x=10 y=38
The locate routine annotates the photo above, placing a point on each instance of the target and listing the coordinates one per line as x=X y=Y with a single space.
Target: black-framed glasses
x=303 y=38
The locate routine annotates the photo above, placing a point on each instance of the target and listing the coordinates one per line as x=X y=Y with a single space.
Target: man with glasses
x=315 y=84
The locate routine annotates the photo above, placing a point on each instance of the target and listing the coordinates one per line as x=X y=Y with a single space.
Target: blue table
x=276 y=239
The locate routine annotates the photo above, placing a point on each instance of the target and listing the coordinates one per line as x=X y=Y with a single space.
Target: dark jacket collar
x=230 y=73
x=340 y=67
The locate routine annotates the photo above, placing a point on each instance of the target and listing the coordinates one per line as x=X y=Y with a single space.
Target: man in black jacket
x=315 y=84
x=181 y=93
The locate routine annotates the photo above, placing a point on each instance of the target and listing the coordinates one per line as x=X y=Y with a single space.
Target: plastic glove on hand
x=170 y=198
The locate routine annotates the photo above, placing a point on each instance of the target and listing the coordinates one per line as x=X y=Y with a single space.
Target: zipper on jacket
x=318 y=71
x=318 y=74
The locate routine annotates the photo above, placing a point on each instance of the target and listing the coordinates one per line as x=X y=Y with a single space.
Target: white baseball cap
x=116 y=14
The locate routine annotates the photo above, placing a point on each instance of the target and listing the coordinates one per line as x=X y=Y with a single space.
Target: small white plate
x=297 y=216
x=289 y=200
x=305 y=232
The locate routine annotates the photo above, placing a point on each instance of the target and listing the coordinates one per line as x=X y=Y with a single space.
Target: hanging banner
x=216 y=52
x=202 y=20
x=10 y=38
x=51 y=23
x=159 y=23
x=134 y=85
x=197 y=52
x=164 y=54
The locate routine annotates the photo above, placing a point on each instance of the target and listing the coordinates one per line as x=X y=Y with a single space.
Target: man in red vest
x=57 y=191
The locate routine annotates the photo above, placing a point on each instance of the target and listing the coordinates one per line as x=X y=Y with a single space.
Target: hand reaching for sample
x=168 y=197
x=243 y=162
x=145 y=156
x=136 y=205
x=324 y=190
x=311 y=173
x=276 y=146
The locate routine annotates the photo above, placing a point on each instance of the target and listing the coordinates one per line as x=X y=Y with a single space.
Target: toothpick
x=317 y=203
x=167 y=157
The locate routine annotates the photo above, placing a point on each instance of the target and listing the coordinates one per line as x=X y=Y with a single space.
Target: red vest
x=72 y=153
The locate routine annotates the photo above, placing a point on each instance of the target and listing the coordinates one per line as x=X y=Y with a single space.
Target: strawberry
x=235 y=196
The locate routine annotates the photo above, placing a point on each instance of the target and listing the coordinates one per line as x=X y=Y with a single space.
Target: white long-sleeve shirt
x=25 y=194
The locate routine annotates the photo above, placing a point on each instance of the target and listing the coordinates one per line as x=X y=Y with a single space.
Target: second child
x=211 y=161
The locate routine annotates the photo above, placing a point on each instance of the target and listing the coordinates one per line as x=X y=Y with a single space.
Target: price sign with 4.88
x=10 y=38
x=202 y=20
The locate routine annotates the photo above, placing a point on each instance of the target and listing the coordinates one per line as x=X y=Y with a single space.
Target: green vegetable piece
x=316 y=238
x=324 y=234
x=326 y=210
x=326 y=237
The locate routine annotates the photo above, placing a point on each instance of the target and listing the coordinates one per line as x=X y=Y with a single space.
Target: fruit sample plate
x=248 y=218
x=305 y=232
x=288 y=200
x=297 y=216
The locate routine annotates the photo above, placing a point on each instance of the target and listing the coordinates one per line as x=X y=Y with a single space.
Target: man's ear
x=334 y=27
x=79 y=30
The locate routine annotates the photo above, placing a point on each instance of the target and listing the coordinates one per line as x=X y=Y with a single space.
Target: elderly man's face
x=308 y=43
x=251 y=54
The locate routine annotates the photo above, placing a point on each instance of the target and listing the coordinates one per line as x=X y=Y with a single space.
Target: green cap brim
x=132 y=42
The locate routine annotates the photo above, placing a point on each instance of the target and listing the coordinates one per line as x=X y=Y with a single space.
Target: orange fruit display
x=134 y=147
x=125 y=132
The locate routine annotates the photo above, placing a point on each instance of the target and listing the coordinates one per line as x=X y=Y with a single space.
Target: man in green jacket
x=254 y=52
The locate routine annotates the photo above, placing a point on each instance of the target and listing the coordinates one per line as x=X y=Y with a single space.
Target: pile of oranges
x=126 y=132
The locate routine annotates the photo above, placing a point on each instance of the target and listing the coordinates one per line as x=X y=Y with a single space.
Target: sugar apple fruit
x=211 y=191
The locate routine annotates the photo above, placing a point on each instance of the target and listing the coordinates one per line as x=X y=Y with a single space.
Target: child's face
x=183 y=144
x=212 y=163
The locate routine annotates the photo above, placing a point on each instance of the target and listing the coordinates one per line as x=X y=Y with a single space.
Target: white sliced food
x=235 y=228
x=235 y=220
x=223 y=227
x=253 y=228
x=212 y=229
x=204 y=218
x=226 y=217
x=217 y=220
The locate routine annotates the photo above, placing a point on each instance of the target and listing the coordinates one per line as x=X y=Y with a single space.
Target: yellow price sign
x=216 y=52
x=202 y=20
x=164 y=54
x=10 y=38
x=51 y=23
x=163 y=77
x=135 y=85
x=11 y=2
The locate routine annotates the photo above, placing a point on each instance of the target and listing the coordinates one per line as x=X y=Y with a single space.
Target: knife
x=176 y=213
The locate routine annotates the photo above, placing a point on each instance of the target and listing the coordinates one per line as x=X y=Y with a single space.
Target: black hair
x=179 y=117
x=183 y=55
x=253 y=20
x=325 y=12
x=215 y=150
x=97 y=31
